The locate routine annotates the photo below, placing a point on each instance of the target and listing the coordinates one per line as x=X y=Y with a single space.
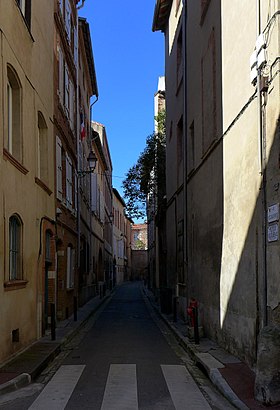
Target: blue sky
x=129 y=58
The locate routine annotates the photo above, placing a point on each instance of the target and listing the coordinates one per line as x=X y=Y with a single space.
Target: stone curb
x=24 y=379
x=18 y=382
x=213 y=373
x=218 y=380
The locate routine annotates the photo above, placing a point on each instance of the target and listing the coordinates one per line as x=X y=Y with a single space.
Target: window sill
x=14 y=161
x=15 y=284
x=43 y=185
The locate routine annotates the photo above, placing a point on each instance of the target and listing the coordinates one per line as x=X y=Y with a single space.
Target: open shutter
x=68 y=19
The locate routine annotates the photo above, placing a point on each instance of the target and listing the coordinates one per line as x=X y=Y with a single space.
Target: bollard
x=53 y=335
x=75 y=308
x=195 y=325
x=175 y=305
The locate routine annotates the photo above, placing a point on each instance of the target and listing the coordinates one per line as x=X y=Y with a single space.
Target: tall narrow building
x=27 y=207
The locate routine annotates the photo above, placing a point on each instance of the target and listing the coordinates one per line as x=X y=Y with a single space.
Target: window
x=13 y=142
x=191 y=147
x=70 y=266
x=25 y=8
x=48 y=246
x=42 y=148
x=209 y=94
x=180 y=141
x=179 y=57
x=15 y=257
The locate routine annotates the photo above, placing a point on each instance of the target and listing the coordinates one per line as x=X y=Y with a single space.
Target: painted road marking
x=184 y=392
x=121 y=388
x=57 y=392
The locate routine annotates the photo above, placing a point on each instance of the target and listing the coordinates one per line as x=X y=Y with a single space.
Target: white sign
x=273 y=233
x=273 y=213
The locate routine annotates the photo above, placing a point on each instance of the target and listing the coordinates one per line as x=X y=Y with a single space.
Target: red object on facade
x=190 y=310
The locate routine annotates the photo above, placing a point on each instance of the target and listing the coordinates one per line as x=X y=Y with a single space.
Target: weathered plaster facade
x=230 y=181
x=27 y=209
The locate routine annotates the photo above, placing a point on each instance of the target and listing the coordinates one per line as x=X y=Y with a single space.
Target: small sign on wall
x=273 y=213
x=273 y=232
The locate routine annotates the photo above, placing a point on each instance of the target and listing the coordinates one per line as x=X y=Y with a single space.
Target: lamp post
x=92 y=160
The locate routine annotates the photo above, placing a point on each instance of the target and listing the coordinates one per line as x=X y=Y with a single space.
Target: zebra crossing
x=121 y=388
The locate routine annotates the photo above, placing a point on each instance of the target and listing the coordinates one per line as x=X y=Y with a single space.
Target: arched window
x=15 y=248
x=13 y=141
x=42 y=148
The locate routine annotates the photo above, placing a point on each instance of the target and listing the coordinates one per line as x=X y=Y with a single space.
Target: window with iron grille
x=15 y=256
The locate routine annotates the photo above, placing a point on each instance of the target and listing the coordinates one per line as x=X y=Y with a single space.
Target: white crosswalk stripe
x=121 y=388
x=183 y=390
x=58 y=391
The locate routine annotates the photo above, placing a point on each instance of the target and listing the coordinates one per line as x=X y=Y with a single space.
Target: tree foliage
x=148 y=174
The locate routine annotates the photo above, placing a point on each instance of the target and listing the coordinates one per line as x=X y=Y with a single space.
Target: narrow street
x=125 y=361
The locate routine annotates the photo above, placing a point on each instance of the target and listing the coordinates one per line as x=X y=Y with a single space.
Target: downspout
x=262 y=161
x=78 y=140
x=90 y=197
x=185 y=166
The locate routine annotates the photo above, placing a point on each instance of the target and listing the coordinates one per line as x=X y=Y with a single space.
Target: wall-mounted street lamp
x=92 y=160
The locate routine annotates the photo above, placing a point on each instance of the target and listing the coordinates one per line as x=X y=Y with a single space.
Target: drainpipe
x=262 y=159
x=90 y=197
x=185 y=123
x=78 y=139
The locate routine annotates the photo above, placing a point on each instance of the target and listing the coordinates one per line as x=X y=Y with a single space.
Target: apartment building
x=27 y=208
x=102 y=208
x=226 y=245
x=65 y=134
x=87 y=89
x=119 y=238
x=156 y=205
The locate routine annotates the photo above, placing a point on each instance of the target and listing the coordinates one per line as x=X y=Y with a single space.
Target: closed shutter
x=58 y=168
x=93 y=192
x=71 y=104
x=69 y=182
x=75 y=46
x=60 y=75
x=66 y=90
x=102 y=208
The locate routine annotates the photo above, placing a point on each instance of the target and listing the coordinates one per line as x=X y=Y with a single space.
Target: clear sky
x=129 y=58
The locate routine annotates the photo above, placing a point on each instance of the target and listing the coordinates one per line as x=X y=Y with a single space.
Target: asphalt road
x=123 y=361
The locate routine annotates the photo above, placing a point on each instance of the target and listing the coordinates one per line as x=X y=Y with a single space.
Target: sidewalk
x=28 y=364
x=232 y=377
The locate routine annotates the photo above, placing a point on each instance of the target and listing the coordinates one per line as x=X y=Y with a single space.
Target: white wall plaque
x=273 y=213
x=273 y=233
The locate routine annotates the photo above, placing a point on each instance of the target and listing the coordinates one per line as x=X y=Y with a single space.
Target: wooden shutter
x=58 y=168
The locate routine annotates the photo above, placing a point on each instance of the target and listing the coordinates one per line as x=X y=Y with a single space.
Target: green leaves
x=147 y=176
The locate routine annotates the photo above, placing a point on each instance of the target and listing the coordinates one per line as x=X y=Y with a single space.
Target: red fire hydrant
x=191 y=310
